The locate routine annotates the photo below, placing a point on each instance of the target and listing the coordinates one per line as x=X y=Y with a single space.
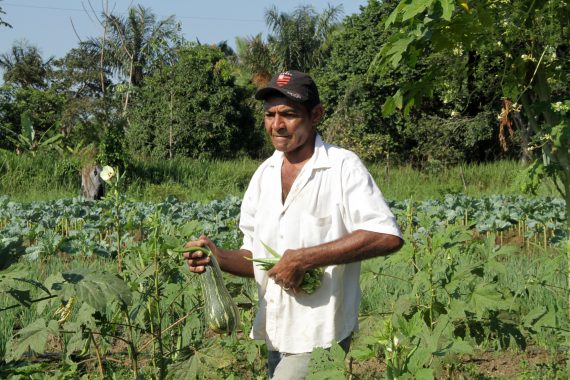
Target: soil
x=483 y=365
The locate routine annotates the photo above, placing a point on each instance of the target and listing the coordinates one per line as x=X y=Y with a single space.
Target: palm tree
x=24 y=66
x=255 y=57
x=138 y=40
x=300 y=39
x=135 y=44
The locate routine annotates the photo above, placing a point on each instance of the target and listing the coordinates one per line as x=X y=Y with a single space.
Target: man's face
x=290 y=125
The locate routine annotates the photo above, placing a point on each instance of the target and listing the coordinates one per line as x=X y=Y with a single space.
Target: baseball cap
x=292 y=84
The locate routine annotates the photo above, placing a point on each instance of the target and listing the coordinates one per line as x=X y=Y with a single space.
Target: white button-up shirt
x=333 y=195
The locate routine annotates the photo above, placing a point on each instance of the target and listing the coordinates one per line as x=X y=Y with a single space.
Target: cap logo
x=283 y=79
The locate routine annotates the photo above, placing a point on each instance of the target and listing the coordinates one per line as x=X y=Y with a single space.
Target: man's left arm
x=356 y=246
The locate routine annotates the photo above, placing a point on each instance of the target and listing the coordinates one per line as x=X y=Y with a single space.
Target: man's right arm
x=234 y=261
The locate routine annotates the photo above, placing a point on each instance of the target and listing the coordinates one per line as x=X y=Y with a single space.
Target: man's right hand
x=197 y=260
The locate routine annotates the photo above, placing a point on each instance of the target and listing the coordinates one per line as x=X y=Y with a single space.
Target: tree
x=350 y=94
x=28 y=94
x=300 y=39
x=530 y=40
x=77 y=76
x=136 y=44
x=192 y=108
x=24 y=66
x=254 y=55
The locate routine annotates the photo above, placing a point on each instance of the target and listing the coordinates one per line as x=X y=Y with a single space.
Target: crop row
x=78 y=226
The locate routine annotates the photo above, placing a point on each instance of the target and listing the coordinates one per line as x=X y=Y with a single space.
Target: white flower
x=396 y=341
x=107 y=173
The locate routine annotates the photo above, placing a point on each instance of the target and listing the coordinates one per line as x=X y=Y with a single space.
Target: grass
x=47 y=177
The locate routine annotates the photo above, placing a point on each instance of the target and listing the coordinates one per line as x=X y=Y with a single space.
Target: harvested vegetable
x=220 y=310
x=311 y=280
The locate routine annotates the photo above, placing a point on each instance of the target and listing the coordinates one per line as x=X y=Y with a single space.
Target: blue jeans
x=274 y=357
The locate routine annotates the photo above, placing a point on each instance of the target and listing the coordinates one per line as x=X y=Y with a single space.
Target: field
x=95 y=289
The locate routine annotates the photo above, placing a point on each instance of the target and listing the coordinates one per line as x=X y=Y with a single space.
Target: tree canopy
x=427 y=82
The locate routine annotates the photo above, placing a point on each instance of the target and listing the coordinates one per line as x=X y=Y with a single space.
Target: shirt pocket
x=314 y=230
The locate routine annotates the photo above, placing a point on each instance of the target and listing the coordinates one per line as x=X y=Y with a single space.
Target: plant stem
x=133 y=353
x=98 y=353
x=158 y=343
x=118 y=223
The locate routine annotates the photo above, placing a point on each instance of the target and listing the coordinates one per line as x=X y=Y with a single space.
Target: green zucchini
x=220 y=310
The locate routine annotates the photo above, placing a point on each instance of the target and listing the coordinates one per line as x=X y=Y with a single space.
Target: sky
x=56 y=26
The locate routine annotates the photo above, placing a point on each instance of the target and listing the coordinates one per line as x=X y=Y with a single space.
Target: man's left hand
x=289 y=271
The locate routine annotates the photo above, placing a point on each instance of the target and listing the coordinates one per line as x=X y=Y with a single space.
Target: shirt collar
x=319 y=159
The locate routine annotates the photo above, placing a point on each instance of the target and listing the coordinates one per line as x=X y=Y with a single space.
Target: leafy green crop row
x=77 y=226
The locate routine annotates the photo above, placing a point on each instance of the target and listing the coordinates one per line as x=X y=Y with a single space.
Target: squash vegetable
x=220 y=310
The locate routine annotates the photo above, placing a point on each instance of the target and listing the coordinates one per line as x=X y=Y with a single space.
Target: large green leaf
x=461 y=347
x=415 y=7
x=203 y=364
x=485 y=297
x=424 y=374
x=448 y=6
x=32 y=337
x=11 y=284
x=389 y=106
x=28 y=134
x=96 y=288
x=419 y=358
x=327 y=363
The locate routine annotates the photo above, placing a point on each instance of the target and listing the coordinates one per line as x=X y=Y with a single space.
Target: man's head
x=292 y=110
x=294 y=85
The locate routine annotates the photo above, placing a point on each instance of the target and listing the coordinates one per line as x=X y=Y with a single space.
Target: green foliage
x=32 y=337
x=449 y=141
x=327 y=364
x=26 y=141
x=350 y=95
x=42 y=107
x=301 y=38
x=515 y=44
x=96 y=288
x=192 y=109
x=49 y=176
x=455 y=296
x=84 y=85
x=112 y=149
x=138 y=42
x=24 y=66
x=443 y=297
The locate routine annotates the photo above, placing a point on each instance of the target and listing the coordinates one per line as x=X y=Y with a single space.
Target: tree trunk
x=525 y=131
x=92 y=186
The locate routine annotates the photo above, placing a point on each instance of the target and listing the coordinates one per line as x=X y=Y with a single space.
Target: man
x=318 y=205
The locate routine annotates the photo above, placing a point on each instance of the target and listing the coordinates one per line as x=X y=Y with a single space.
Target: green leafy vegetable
x=311 y=280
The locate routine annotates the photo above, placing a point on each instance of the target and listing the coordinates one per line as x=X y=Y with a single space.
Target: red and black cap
x=292 y=84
